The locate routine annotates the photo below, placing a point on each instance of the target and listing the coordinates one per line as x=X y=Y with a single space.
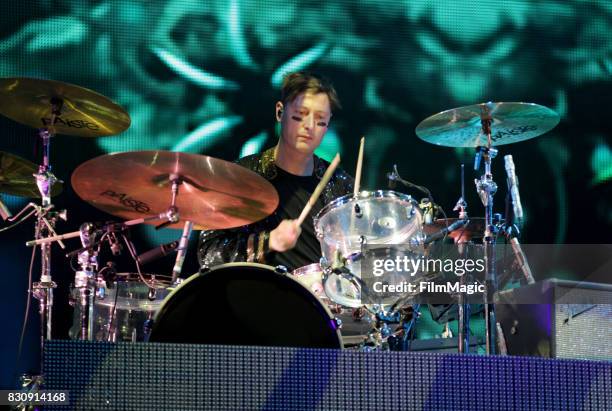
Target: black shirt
x=294 y=192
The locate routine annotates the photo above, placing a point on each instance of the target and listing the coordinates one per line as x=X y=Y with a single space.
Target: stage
x=144 y=376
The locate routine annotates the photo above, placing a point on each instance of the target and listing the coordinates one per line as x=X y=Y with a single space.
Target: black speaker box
x=557 y=318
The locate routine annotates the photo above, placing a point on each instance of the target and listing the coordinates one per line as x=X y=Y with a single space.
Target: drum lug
x=338 y=323
x=281 y=269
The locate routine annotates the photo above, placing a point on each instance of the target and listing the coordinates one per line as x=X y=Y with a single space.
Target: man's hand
x=285 y=236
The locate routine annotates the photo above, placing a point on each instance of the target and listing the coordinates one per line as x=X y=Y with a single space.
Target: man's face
x=304 y=121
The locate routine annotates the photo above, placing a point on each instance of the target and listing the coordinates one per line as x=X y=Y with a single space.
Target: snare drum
x=245 y=304
x=122 y=308
x=374 y=217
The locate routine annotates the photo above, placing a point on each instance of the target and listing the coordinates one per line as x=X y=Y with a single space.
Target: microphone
x=182 y=250
x=517 y=208
x=440 y=234
x=85 y=231
x=157 y=253
x=392 y=177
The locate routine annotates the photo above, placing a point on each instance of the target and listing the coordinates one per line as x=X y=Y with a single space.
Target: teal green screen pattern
x=203 y=77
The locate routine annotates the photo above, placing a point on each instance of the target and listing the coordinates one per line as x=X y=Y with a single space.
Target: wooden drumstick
x=317 y=192
x=358 y=171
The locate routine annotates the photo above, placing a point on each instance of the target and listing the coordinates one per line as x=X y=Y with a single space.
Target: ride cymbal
x=214 y=194
x=510 y=123
x=83 y=112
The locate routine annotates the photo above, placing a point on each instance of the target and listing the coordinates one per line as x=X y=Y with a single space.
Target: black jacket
x=241 y=244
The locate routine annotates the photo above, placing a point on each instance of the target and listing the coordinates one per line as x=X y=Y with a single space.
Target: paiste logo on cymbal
x=512 y=132
x=70 y=123
x=127 y=201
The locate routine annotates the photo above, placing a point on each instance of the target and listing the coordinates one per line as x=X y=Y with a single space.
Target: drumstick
x=317 y=192
x=359 y=165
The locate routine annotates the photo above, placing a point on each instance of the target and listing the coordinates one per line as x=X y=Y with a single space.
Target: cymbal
x=84 y=112
x=17 y=179
x=214 y=194
x=474 y=229
x=511 y=123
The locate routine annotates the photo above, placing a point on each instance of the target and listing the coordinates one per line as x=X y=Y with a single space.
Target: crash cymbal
x=17 y=179
x=511 y=123
x=84 y=112
x=474 y=229
x=215 y=194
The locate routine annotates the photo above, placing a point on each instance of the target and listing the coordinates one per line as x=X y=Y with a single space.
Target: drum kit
x=235 y=303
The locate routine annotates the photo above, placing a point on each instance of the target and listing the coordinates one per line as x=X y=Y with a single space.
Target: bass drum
x=245 y=304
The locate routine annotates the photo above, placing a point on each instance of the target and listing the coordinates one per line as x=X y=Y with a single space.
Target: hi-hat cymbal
x=474 y=229
x=17 y=177
x=511 y=123
x=214 y=194
x=84 y=112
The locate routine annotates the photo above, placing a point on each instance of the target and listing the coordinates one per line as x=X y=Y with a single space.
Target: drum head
x=245 y=304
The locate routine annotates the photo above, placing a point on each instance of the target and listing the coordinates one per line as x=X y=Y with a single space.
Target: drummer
x=304 y=113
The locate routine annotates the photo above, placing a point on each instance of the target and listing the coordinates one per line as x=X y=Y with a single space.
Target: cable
x=425 y=190
x=30 y=214
x=26 y=315
x=132 y=250
x=113 y=310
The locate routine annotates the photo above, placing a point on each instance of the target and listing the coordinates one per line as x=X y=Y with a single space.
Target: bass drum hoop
x=237 y=317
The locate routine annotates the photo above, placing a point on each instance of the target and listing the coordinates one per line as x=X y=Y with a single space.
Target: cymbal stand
x=187 y=229
x=43 y=290
x=463 y=307
x=486 y=188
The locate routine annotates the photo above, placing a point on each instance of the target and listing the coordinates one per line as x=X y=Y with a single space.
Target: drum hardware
x=402 y=338
x=395 y=177
x=463 y=308
x=211 y=193
x=86 y=279
x=486 y=188
x=53 y=108
x=471 y=126
x=428 y=210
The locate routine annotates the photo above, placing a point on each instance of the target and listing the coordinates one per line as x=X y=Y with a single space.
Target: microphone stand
x=84 y=280
x=511 y=231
